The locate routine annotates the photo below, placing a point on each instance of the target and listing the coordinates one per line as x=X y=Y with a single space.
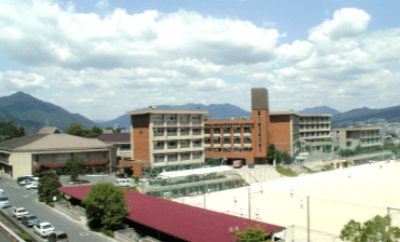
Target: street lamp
x=233 y=230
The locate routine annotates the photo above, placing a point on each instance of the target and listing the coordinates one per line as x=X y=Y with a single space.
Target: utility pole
x=249 y=204
x=308 y=219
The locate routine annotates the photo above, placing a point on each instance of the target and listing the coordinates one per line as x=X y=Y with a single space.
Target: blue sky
x=103 y=58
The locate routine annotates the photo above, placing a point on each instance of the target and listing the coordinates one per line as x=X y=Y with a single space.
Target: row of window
x=248 y=149
x=227 y=128
x=311 y=134
x=174 y=157
x=174 y=131
x=370 y=141
x=314 y=119
x=173 y=144
x=227 y=140
x=317 y=126
x=173 y=118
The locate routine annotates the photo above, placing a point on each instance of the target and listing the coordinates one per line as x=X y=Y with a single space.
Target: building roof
x=180 y=220
x=115 y=137
x=49 y=130
x=166 y=111
x=50 y=139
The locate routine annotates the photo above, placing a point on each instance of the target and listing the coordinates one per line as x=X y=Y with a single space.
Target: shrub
x=328 y=167
x=25 y=236
x=99 y=169
x=285 y=172
x=132 y=189
x=135 y=177
x=109 y=233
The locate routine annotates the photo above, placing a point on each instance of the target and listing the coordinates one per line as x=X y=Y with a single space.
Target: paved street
x=20 y=197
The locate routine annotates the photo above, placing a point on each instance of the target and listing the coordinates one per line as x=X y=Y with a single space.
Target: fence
x=298 y=233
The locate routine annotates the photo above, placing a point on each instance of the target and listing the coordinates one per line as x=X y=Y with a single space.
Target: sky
x=103 y=58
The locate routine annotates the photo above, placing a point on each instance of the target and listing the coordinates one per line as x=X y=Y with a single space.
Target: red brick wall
x=280 y=132
x=141 y=137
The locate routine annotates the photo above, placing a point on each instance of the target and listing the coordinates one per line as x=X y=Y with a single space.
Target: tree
x=48 y=189
x=105 y=207
x=96 y=130
x=21 y=131
x=377 y=229
x=285 y=157
x=252 y=234
x=271 y=154
x=77 y=129
x=74 y=167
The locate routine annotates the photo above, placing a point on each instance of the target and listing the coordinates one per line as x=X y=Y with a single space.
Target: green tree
x=252 y=234
x=21 y=131
x=271 y=154
x=285 y=157
x=74 y=167
x=378 y=229
x=96 y=130
x=105 y=207
x=77 y=129
x=48 y=189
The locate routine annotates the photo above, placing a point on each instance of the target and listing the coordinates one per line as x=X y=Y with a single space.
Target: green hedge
x=285 y=172
x=132 y=189
x=25 y=236
x=329 y=168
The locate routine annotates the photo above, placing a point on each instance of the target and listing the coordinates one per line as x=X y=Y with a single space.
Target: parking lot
x=20 y=197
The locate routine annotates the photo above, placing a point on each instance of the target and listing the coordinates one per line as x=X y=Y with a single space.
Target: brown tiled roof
x=21 y=141
x=49 y=130
x=115 y=137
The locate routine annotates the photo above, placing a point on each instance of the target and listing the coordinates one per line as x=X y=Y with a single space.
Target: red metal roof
x=122 y=137
x=180 y=220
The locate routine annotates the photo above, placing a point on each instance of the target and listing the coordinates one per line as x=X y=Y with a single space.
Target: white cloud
x=125 y=61
x=102 y=4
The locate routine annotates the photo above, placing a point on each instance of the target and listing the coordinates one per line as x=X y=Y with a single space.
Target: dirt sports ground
x=358 y=193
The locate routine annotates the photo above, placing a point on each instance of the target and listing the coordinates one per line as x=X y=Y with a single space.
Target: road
x=20 y=197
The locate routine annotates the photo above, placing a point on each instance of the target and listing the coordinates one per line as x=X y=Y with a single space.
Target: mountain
x=321 y=110
x=363 y=114
x=215 y=110
x=33 y=113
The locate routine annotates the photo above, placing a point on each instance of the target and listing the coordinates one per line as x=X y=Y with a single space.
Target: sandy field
x=336 y=197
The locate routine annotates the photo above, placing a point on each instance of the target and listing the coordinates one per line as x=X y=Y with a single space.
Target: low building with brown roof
x=52 y=148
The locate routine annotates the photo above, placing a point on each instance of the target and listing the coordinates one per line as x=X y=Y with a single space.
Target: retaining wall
x=126 y=235
x=64 y=207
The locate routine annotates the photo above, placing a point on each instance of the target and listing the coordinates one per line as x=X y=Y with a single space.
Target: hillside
x=321 y=110
x=32 y=113
x=363 y=114
x=215 y=110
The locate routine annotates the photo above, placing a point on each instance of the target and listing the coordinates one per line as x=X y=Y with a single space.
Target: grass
x=312 y=172
x=329 y=168
x=285 y=172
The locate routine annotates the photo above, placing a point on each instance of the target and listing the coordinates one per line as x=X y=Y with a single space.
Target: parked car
x=32 y=185
x=43 y=229
x=35 y=178
x=4 y=202
x=30 y=220
x=19 y=212
x=123 y=183
x=58 y=236
x=25 y=181
x=1 y=191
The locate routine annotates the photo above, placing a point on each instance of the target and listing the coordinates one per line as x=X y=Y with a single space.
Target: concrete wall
x=64 y=208
x=124 y=235
x=21 y=163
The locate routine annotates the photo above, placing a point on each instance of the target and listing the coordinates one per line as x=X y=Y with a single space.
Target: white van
x=123 y=183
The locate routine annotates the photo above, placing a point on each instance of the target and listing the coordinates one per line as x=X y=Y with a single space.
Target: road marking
x=83 y=234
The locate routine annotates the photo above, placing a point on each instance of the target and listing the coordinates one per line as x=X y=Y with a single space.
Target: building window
x=197 y=155
x=185 y=156
x=206 y=129
x=171 y=119
x=207 y=150
x=207 y=140
x=37 y=158
x=185 y=143
x=196 y=131
x=348 y=144
x=184 y=131
x=172 y=144
x=217 y=140
x=125 y=147
x=88 y=155
x=184 y=119
x=171 y=131
x=196 y=119
x=158 y=119
x=197 y=143
x=158 y=132
x=247 y=149
x=172 y=157
x=247 y=140
x=236 y=140
x=236 y=129
x=159 y=158
x=227 y=128
x=217 y=129
x=237 y=150
x=247 y=128
x=227 y=150
x=217 y=149
x=227 y=140
x=158 y=145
